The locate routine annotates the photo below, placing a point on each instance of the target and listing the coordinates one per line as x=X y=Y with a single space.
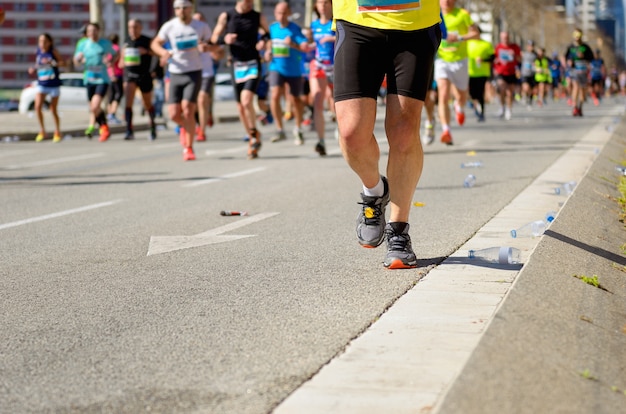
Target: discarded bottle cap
x=233 y=213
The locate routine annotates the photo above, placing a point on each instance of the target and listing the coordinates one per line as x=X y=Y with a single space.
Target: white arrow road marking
x=223 y=177
x=59 y=214
x=165 y=244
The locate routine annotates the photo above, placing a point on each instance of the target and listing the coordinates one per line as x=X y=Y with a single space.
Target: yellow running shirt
x=388 y=14
x=458 y=21
x=478 y=51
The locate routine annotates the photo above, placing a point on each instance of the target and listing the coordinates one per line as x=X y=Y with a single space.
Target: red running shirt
x=507 y=57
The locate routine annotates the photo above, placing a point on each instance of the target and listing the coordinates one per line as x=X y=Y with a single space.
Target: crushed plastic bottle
x=472 y=164
x=532 y=229
x=621 y=170
x=470 y=181
x=566 y=188
x=501 y=255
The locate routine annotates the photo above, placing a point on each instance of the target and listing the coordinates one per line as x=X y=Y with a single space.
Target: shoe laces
x=398 y=242
x=371 y=212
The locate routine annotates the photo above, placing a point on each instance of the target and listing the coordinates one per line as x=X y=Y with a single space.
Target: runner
x=96 y=54
x=137 y=62
x=527 y=72
x=578 y=56
x=188 y=39
x=431 y=97
x=321 y=74
x=203 y=115
x=507 y=58
x=480 y=54
x=597 y=73
x=401 y=44
x=116 y=74
x=542 y=75
x=239 y=28
x=284 y=53
x=556 y=73
x=451 y=66
x=47 y=63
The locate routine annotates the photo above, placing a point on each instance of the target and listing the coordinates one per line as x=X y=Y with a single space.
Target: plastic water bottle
x=566 y=188
x=621 y=170
x=532 y=229
x=550 y=215
x=472 y=164
x=501 y=255
x=470 y=180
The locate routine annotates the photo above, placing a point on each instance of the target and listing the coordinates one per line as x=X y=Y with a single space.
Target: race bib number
x=246 y=70
x=189 y=42
x=506 y=56
x=581 y=65
x=450 y=47
x=132 y=57
x=280 y=48
x=94 y=74
x=369 y=6
x=45 y=74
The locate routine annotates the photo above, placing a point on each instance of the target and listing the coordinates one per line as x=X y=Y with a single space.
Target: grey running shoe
x=280 y=136
x=370 y=225
x=399 y=251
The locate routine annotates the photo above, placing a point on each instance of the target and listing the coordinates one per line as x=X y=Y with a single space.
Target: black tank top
x=247 y=28
x=143 y=68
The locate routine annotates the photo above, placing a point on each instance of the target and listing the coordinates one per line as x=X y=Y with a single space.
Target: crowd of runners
x=272 y=65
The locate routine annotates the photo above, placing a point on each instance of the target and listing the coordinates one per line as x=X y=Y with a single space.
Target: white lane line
x=241 y=149
x=58 y=214
x=152 y=147
x=56 y=161
x=410 y=357
x=224 y=177
x=14 y=153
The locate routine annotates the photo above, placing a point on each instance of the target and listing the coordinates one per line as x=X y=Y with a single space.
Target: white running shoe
x=429 y=136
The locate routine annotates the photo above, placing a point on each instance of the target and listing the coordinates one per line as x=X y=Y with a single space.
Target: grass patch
x=592 y=281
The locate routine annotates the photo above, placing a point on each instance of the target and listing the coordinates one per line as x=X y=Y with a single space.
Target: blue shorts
x=53 y=91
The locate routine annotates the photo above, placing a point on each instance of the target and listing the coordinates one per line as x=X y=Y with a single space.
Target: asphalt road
x=94 y=323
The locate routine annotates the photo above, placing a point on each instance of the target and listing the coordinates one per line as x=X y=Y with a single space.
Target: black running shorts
x=185 y=87
x=363 y=56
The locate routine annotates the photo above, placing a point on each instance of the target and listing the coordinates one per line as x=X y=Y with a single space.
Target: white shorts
x=455 y=72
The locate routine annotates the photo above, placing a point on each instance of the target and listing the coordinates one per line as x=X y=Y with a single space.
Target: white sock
x=377 y=191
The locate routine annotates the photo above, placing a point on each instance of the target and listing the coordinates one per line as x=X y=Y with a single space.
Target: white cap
x=182 y=3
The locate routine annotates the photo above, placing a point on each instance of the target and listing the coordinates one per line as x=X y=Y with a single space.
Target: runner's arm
x=220 y=28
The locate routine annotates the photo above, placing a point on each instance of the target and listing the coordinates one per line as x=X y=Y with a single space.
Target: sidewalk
x=74 y=121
